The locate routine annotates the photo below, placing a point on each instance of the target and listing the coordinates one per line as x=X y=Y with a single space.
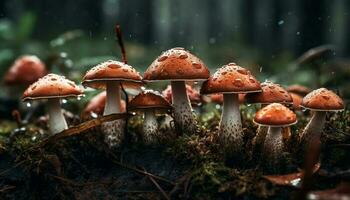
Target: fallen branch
x=158 y=186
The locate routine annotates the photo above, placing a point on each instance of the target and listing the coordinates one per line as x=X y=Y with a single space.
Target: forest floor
x=79 y=165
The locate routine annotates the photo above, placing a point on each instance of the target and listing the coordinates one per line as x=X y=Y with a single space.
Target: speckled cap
x=322 y=100
x=111 y=70
x=271 y=93
x=192 y=94
x=25 y=70
x=275 y=114
x=52 y=86
x=231 y=78
x=149 y=99
x=176 y=64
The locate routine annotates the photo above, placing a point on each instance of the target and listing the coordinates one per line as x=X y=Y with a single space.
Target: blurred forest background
x=265 y=36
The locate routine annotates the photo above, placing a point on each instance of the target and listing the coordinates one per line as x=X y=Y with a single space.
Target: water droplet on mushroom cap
x=162 y=58
x=196 y=65
x=183 y=56
x=113 y=66
x=238 y=82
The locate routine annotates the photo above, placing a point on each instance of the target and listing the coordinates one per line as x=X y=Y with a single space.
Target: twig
x=118 y=33
x=158 y=186
x=6 y=188
x=70 y=182
x=15 y=166
x=76 y=130
x=113 y=158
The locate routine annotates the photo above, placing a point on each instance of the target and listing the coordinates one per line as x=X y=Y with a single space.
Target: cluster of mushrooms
x=231 y=84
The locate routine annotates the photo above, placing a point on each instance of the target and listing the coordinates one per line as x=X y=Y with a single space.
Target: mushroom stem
x=114 y=130
x=273 y=145
x=113 y=104
x=57 y=121
x=231 y=133
x=150 y=127
x=184 y=118
x=314 y=128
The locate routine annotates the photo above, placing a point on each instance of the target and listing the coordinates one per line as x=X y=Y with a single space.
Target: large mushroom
x=150 y=102
x=271 y=93
x=320 y=101
x=178 y=65
x=111 y=75
x=53 y=87
x=231 y=80
x=96 y=106
x=274 y=116
x=25 y=70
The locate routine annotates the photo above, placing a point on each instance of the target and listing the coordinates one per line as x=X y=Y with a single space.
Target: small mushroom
x=110 y=75
x=150 y=102
x=96 y=106
x=320 y=101
x=178 y=65
x=298 y=89
x=231 y=80
x=297 y=99
x=271 y=93
x=25 y=70
x=274 y=116
x=53 y=87
x=193 y=95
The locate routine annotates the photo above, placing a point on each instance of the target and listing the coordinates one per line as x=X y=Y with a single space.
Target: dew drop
x=162 y=58
x=197 y=65
x=242 y=71
x=29 y=104
x=238 y=82
x=78 y=98
x=251 y=80
x=232 y=64
x=183 y=56
x=325 y=97
x=64 y=101
x=113 y=66
x=125 y=70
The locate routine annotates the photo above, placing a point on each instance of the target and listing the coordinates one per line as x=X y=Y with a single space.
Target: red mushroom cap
x=298 y=89
x=51 y=86
x=97 y=105
x=149 y=99
x=275 y=114
x=231 y=78
x=25 y=71
x=176 y=64
x=322 y=100
x=271 y=93
x=297 y=99
x=111 y=70
x=193 y=95
x=219 y=98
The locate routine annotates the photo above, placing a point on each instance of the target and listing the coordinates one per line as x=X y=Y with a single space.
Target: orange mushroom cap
x=193 y=95
x=25 y=70
x=271 y=93
x=52 y=86
x=176 y=64
x=149 y=99
x=297 y=99
x=219 y=98
x=97 y=105
x=275 y=114
x=111 y=70
x=231 y=78
x=298 y=89
x=322 y=100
